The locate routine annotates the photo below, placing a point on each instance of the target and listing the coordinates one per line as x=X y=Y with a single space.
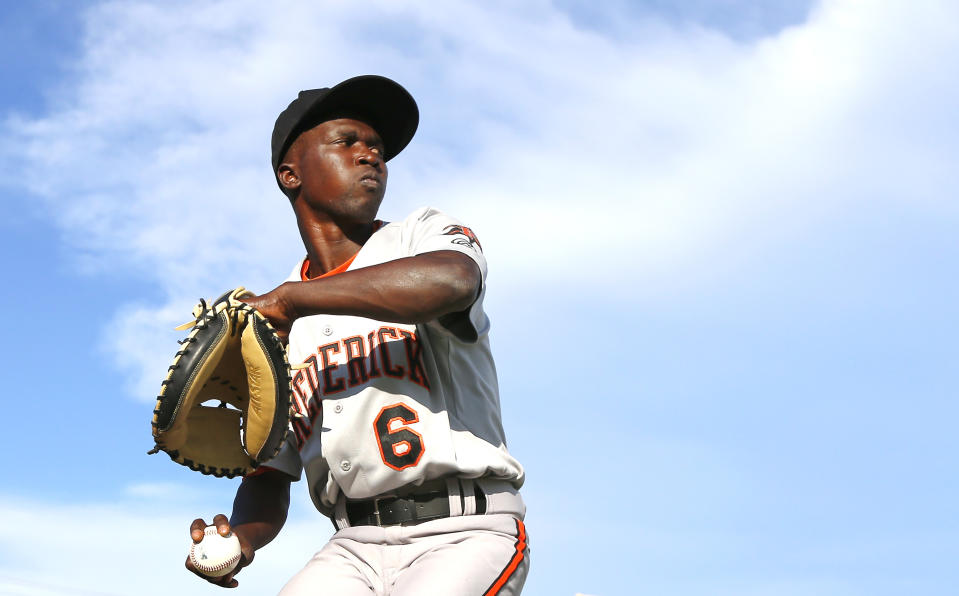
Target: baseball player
x=397 y=418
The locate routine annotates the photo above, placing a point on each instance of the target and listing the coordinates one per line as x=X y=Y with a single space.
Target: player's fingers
x=225 y=581
x=196 y=529
x=222 y=524
x=251 y=299
x=247 y=553
x=192 y=569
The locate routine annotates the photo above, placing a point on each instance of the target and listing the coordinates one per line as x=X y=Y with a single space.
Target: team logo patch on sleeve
x=469 y=238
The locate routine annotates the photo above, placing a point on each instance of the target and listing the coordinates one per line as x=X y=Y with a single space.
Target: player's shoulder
x=427 y=214
x=424 y=220
x=428 y=229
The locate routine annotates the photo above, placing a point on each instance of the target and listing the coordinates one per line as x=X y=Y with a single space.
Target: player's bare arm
x=408 y=290
x=259 y=513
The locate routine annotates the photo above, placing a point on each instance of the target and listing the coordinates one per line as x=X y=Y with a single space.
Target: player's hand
x=276 y=308
x=223 y=528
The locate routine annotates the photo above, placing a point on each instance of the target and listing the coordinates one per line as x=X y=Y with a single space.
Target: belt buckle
x=376 y=507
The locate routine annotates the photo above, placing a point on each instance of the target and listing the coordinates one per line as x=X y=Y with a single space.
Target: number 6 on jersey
x=400 y=446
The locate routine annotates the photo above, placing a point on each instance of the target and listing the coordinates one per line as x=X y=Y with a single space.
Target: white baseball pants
x=471 y=555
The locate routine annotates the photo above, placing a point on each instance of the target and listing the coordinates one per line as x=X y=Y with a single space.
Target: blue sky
x=722 y=239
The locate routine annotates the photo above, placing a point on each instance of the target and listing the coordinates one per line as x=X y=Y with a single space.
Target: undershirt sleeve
x=286 y=461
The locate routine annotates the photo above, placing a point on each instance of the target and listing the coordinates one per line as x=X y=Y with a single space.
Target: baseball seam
x=206 y=568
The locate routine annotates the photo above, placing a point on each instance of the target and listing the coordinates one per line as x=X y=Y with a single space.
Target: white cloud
x=141 y=342
x=641 y=161
x=136 y=546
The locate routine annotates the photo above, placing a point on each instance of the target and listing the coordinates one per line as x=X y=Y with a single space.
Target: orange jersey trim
x=306 y=267
x=513 y=563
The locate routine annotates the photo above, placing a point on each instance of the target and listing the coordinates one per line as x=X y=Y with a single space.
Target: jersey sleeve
x=432 y=231
x=286 y=461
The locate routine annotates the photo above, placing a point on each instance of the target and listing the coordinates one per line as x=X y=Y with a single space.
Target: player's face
x=341 y=169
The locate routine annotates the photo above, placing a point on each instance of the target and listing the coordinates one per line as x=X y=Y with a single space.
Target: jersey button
x=327 y=330
x=345 y=466
x=338 y=408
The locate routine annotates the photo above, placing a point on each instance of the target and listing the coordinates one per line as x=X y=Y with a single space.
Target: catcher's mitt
x=233 y=356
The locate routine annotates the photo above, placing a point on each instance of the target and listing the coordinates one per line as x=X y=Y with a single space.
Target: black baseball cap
x=388 y=107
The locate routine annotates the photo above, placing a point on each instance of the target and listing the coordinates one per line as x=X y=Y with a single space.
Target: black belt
x=406 y=510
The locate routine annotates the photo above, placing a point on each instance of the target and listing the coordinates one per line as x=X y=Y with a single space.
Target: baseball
x=215 y=555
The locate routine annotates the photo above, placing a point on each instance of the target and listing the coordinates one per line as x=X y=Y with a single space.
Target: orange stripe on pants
x=513 y=562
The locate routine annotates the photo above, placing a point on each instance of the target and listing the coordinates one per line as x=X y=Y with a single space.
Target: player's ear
x=288 y=177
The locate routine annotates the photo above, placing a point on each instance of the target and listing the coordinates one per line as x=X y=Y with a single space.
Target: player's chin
x=361 y=208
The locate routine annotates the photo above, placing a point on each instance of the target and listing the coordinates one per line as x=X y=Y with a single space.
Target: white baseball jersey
x=383 y=404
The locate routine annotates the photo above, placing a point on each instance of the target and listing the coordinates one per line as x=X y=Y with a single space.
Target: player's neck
x=329 y=245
